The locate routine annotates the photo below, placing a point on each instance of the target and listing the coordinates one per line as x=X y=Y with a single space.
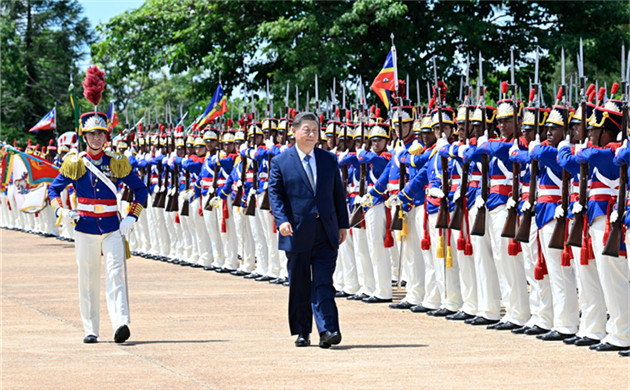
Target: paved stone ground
x=196 y=329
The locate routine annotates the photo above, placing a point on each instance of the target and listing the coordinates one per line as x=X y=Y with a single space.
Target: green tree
x=42 y=41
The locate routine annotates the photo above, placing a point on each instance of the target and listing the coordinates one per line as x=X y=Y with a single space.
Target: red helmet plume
x=600 y=95
x=614 y=89
x=94 y=84
x=559 y=96
x=532 y=94
x=504 y=87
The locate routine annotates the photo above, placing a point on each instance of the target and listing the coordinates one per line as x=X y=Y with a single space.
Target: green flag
x=76 y=111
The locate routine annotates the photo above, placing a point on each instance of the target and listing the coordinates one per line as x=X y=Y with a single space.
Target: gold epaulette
x=416 y=148
x=119 y=164
x=72 y=167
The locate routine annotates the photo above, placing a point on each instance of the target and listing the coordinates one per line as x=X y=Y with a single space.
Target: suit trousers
x=311 y=291
x=88 y=250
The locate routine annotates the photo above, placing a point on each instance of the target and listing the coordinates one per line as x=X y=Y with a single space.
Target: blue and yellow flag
x=385 y=81
x=216 y=107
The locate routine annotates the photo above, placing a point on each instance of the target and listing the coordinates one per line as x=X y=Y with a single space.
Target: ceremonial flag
x=112 y=116
x=31 y=169
x=385 y=81
x=216 y=107
x=48 y=122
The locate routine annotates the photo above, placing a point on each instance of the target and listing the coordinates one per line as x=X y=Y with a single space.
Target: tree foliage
x=42 y=41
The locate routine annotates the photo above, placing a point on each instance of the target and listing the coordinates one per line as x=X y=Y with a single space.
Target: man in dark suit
x=307 y=200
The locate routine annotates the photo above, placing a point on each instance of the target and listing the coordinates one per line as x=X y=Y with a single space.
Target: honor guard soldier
x=95 y=174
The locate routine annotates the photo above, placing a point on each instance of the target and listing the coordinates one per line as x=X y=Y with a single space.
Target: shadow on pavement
x=132 y=343
x=344 y=347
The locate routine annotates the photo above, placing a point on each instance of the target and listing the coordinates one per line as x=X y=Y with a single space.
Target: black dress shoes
x=401 y=305
x=122 y=334
x=459 y=316
x=341 y=294
x=554 y=335
x=507 y=326
x=571 y=340
x=585 y=342
x=480 y=321
x=625 y=353
x=276 y=281
x=607 y=347
x=441 y=312
x=419 y=309
x=286 y=284
x=221 y=270
x=263 y=278
x=90 y=339
x=328 y=338
x=521 y=330
x=303 y=340
x=536 y=330
x=376 y=299
x=253 y=275
x=358 y=297
x=208 y=268
x=239 y=272
x=494 y=326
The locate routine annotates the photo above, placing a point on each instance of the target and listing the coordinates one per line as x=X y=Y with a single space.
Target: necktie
x=309 y=171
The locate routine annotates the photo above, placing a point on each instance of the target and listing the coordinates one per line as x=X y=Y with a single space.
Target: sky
x=100 y=11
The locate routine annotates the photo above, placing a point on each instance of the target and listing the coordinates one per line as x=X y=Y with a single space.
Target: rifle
x=576 y=232
x=442 y=215
x=479 y=226
x=524 y=229
x=251 y=202
x=509 y=228
x=357 y=215
x=264 y=204
x=457 y=220
x=239 y=192
x=557 y=237
x=615 y=237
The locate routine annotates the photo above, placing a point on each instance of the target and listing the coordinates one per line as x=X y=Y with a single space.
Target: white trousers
x=200 y=235
x=447 y=278
x=563 y=285
x=211 y=221
x=467 y=276
x=188 y=234
x=488 y=291
x=229 y=243
x=88 y=250
x=261 y=249
x=365 y=274
x=245 y=242
x=613 y=276
x=540 y=302
x=432 y=298
x=510 y=270
x=381 y=257
x=274 y=265
x=345 y=276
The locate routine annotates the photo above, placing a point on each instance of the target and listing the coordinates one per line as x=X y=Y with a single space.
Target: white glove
x=252 y=191
x=435 y=192
x=269 y=143
x=564 y=143
x=456 y=195
x=513 y=149
x=483 y=139
x=188 y=194
x=510 y=203
x=559 y=212
x=533 y=144
x=69 y=215
x=579 y=146
x=614 y=216
x=624 y=145
x=526 y=206
x=162 y=189
x=577 y=208
x=171 y=192
x=126 y=225
x=211 y=190
x=242 y=147
x=214 y=202
x=400 y=147
x=479 y=202
x=462 y=149
x=367 y=201
x=442 y=142
x=358 y=199
x=393 y=201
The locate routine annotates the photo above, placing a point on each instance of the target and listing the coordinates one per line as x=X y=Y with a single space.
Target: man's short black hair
x=304 y=116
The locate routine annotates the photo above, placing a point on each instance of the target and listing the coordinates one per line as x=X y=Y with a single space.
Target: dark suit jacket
x=292 y=199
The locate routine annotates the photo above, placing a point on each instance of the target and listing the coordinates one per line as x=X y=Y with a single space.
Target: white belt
x=97 y=208
x=603 y=191
x=392 y=187
x=549 y=192
x=456 y=181
x=525 y=190
x=500 y=182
